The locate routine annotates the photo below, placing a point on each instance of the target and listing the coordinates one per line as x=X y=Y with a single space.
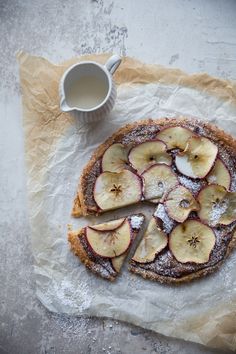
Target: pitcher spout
x=63 y=105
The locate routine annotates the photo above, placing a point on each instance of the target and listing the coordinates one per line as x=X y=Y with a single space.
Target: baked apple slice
x=179 y=203
x=217 y=205
x=158 y=180
x=153 y=242
x=175 y=137
x=108 y=226
x=198 y=157
x=219 y=175
x=117 y=262
x=111 y=243
x=192 y=241
x=117 y=189
x=115 y=158
x=147 y=154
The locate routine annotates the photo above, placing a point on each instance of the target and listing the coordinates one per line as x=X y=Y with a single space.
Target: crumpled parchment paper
x=56 y=149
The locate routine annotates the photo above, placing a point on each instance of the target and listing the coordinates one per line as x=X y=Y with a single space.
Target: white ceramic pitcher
x=92 y=84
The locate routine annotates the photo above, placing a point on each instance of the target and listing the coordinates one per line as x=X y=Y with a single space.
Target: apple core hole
x=193 y=241
x=184 y=203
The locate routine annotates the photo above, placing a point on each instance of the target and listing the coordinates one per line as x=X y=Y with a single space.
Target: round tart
x=186 y=168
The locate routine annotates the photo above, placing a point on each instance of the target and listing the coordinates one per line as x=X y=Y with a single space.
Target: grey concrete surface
x=195 y=35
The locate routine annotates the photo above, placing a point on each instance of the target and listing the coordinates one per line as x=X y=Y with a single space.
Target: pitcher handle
x=113 y=63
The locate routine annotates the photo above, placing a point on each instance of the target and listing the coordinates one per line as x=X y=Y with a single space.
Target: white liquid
x=87 y=92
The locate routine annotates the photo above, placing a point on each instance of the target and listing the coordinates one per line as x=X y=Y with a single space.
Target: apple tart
x=103 y=247
x=186 y=169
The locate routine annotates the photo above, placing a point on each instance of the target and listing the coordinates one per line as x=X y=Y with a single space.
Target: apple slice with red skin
x=198 y=157
x=158 y=180
x=147 y=154
x=219 y=175
x=192 y=242
x=175 y=137
x=117 y=262
x=217 y=205
x=115 y=158
x=152 y=243
x=109 y=244
x=179 y=203
x=108 y=226
x=117 y=189
x=136 y=222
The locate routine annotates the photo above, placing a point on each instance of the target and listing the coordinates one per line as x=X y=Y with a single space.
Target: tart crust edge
x=147 y=274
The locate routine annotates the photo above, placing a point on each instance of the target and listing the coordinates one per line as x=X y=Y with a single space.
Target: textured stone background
x=195 y=35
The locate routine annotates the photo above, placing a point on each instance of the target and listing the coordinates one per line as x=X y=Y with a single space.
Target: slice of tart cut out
x=115 y=158
x=217 y=205
x=175 y=137
x=158 y=180
x=179 y=203
x=104 y=247
x=198 y=157
x=219 y=175
x=152 y=243
x=192 y=242
x=147 y=154
x=114 y=190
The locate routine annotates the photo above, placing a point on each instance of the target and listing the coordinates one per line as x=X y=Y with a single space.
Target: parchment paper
x=56 y=149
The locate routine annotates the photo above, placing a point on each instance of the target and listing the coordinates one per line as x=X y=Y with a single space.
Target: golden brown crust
x=80 y=208
x=147 y=274
x=76 y=211
x=78 y=249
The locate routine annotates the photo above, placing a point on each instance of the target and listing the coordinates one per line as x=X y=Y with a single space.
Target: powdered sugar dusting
x=233 y=182
x=212 y=179
x=103 y=268
x=193 y=186
x=168 y=223
x=136 y=221
x=217 y=211
x=67 y=293
x=140 y=134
